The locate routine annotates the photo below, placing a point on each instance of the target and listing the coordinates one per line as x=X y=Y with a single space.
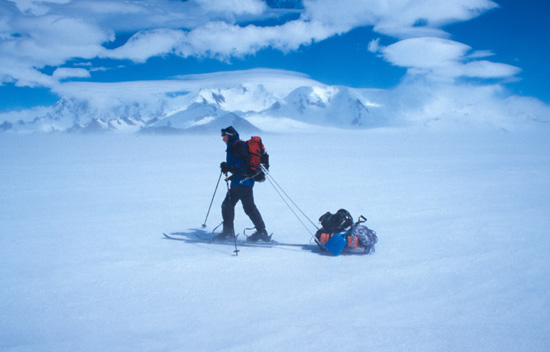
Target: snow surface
x=461 y=263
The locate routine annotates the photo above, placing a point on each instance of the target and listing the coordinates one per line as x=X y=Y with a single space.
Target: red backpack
x=257 y=156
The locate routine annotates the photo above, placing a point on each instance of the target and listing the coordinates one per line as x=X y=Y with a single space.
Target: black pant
x=244 y=194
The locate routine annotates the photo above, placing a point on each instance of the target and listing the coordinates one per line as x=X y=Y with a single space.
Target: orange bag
x=352 y=241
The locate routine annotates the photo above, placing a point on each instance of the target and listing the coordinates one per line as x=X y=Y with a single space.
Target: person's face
x=225 y=138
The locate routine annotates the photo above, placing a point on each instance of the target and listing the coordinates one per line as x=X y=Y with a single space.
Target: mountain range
x=255 y=101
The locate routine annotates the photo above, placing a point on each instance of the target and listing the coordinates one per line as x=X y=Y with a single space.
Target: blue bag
x=336 y=244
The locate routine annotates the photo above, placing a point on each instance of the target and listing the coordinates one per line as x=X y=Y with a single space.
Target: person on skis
x=237 y=163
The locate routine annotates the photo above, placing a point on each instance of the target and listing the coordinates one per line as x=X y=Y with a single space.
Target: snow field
x=461 y=263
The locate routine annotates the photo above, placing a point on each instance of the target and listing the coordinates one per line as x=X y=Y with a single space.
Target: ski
x=244 y=243
x=201 y=240
x=277 y=243
x=261 y=243
x=229 y=242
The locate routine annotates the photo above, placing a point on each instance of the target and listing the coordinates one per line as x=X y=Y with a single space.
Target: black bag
x=336 y=223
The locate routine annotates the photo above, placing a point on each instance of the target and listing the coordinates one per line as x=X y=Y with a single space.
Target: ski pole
x=231 y=206
x=210 y=207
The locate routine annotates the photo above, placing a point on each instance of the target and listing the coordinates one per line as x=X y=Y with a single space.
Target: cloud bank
x=43 y=43
x=35 y=34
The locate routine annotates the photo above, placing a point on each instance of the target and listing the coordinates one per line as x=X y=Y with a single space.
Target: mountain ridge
x=299 y=100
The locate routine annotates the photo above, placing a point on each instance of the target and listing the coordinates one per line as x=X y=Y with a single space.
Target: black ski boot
x=259 y=236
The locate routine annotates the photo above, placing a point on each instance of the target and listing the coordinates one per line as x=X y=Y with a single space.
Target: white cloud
x=278 y=80
x=221 y=40
x=442 y=60
x=431 y=14
x=487 y=69
x=78 y=28
x=478 y=54
x=467 y=105
x=374 y=45
x=398 y=18
x=66 y=72
x=22 y=73
x=216 y=35
x=238 y=7
x=25 y=115
x=424 y=53
x=36 y=7
x=37 y=33
x=108 y=7
x=146 y=44
x=37 y=41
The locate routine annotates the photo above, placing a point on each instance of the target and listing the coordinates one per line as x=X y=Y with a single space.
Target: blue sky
x=359 y=43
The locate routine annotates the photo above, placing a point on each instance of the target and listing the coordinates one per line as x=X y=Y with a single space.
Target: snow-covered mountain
x=270 y=100
x=329 y=106
x=208 y=104
x=81 y=115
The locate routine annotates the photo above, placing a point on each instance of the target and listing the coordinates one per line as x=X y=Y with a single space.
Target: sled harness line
x=281 y=192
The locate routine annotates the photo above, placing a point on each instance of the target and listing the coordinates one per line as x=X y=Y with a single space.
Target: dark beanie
x=231 y=132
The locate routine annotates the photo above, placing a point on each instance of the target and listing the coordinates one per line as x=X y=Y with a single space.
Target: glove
x=225 y=167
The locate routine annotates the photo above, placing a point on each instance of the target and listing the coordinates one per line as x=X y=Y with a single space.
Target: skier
x=237 y=162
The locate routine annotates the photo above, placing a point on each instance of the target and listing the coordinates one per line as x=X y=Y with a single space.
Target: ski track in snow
x=461 y=263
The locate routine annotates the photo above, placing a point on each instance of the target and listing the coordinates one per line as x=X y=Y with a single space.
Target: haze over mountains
x=261 y=101
x=270 y=100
